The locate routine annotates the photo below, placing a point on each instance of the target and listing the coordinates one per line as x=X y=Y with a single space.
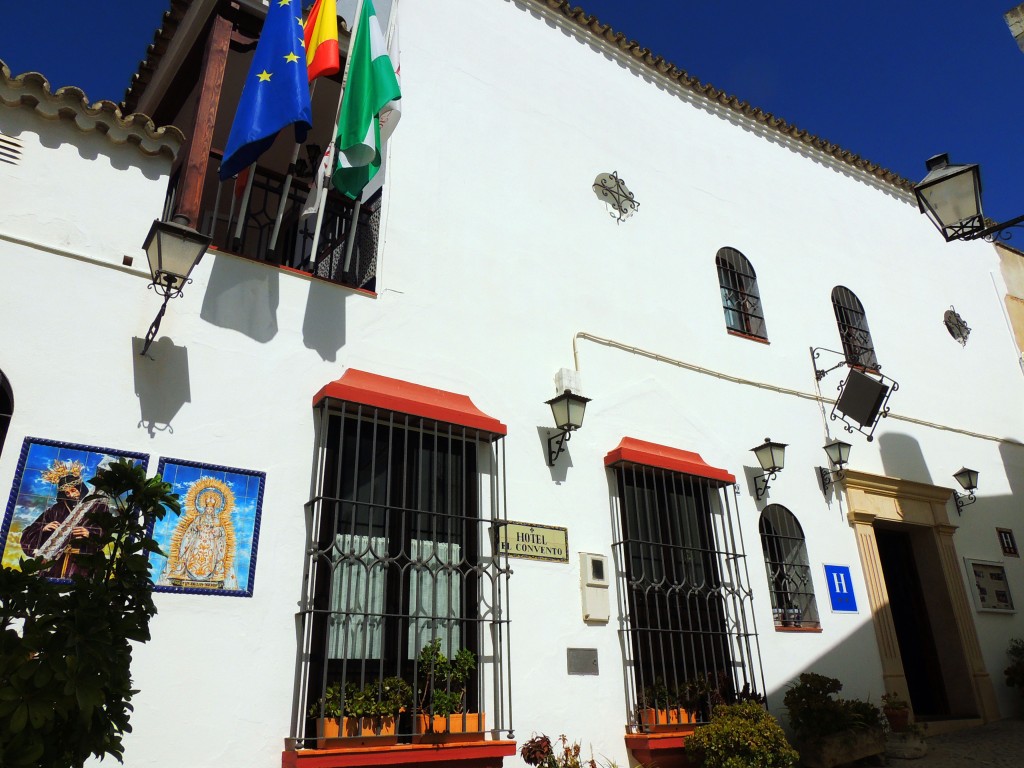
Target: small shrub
x=1015 y=672
x=741 y=736
x=539 y=751
x=815 y=710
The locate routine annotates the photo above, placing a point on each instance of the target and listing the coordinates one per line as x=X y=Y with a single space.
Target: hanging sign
x=534 y=542
x=840 y=589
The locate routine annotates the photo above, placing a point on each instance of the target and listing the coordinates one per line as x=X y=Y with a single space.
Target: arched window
x=6 y=408
x=740 y=299
x=789 y=574
x=853 y=329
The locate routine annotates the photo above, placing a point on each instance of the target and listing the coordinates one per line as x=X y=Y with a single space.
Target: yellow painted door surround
x=921 y=509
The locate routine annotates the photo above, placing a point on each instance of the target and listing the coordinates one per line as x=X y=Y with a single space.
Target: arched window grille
x=6 y=408
x=401 y=556
x=789 y=574
x=740 y=298
x=853 y=329
x=683 y=589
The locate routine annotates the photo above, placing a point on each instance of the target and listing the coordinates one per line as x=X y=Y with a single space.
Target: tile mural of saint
x=211 y=547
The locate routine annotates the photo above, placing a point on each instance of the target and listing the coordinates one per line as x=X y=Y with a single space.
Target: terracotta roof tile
x=32 y=90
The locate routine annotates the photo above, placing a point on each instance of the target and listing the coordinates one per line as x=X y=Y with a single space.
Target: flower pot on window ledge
x=327 y=728
x=665 y=720
x=456 y=727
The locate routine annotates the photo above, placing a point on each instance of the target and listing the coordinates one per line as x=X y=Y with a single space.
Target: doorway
x=927 y=641
x=910 y=618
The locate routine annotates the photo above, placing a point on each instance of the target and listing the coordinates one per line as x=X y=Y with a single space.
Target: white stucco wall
x=495 y=253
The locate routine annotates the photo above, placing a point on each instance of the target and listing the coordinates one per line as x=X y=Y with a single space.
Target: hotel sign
x=534 y=542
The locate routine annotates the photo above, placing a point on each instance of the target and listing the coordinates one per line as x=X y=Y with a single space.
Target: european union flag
x=276 y=91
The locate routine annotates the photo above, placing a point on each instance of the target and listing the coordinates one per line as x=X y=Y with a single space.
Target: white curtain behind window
x=357 y=597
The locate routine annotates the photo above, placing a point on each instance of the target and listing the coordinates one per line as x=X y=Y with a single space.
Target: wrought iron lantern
x=838 y=454
x=772 y=458
x=568 y=409
x=173 y=249
x=968 y=479
x=950 y=195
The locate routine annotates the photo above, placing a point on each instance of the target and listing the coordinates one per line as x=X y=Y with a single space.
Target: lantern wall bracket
x=829 y=477
x=964 y=500
x=168 y=293
x=761 y=484
x=972 y=229
x=556 y=444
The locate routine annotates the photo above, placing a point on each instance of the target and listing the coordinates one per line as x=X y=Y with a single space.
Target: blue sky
x=894 y=81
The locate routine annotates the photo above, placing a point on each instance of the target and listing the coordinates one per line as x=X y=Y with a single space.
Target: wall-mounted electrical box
x=594 y=587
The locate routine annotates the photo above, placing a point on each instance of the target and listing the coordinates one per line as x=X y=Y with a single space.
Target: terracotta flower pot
x=458 y=727
x=355 y=731
x=899 y=719
x=665 y=720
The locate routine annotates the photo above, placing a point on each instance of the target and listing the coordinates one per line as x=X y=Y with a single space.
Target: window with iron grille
x=401 y=557
x=740 y=299
x=684 y=591
x=853 y=329
x=789 y=574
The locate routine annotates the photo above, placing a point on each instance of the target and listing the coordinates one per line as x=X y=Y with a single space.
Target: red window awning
x=633 y=451
x=389 y=394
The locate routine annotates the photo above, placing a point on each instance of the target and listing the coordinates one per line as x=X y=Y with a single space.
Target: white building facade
x=391 y=416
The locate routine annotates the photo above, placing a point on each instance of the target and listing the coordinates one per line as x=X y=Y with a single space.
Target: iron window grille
x=400 y=555
x=740 y=298
x=853 y=329
x=789 y=573
x=684 y=592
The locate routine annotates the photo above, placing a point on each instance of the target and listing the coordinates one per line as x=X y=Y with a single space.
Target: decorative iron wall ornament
x=613 y=191
x=956 y=326
x=863 y=397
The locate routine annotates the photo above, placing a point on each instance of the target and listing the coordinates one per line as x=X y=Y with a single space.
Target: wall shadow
x=902 y=458
x=242 y=297
x=323 y=327
x=161 y=383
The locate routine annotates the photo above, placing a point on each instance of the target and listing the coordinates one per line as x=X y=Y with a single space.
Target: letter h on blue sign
x=840 y=589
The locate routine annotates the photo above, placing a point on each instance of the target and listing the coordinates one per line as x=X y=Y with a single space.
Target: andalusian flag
x=371 y=85
x=321 y=37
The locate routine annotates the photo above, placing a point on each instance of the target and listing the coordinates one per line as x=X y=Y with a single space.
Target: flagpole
x=288 y=182
x=245 y=203
x=337 y=115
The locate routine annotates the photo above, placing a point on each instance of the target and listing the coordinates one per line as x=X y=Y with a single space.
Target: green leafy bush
x=741 y=736
x=385 y=698
x=815 y=710
x=444 y=679
x=1015 y=672
x=66 y=649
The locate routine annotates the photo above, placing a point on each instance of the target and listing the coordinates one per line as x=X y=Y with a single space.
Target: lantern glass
x=838 y=452
x=771 y=456
x=968 y=478
x=568 y=409
x=950 y=195
x=172 y=250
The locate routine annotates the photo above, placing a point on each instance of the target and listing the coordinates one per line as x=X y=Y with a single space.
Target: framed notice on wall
x=990 y=588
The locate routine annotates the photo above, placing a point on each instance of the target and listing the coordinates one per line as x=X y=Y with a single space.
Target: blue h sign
x=840 y=589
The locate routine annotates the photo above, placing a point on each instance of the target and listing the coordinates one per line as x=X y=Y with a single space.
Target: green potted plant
x=830 y=730
x=327 y=711
x=1015 y=672
x=371 y=710
x=896 y=711
x=741 y=734
x=443 y=695
x=661 y=709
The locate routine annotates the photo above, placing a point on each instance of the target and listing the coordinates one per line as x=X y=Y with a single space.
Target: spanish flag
x=321 y=36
